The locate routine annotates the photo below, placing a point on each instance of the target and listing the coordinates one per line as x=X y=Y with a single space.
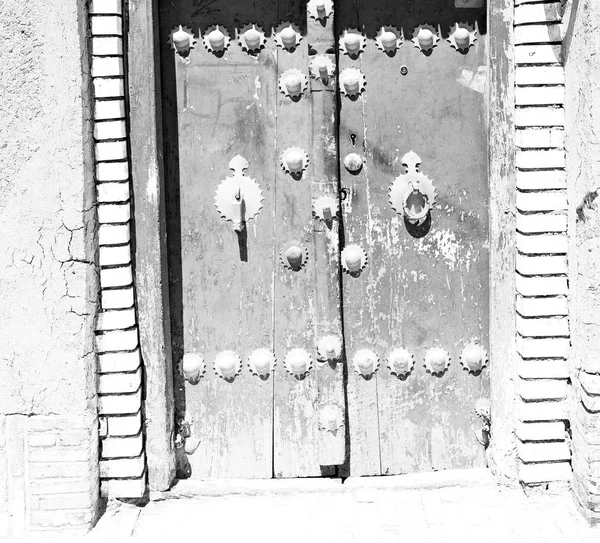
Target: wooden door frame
x=150 y=238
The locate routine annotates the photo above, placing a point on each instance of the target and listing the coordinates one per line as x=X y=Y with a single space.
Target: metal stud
x=474 y=358
x=294 y=161
x=354 y=259
x=193 y=367
x=462 y=37
x=252 y=38
x=216 y=39
x=293 y=256
x=228 y=365
x=329 y=349
x=437 y=361
x=319 y=9
x=293 y=83
x=425 y=38
x=400 y=362
x=182 y=40
x=322 y=68
x=388 y=39
x=352 y=82
x=261 y=362
x=331 y=418
x=298 y=363
x=287 y=36
x=326 y=208
x=365 y=362
x=352 y=42
x=353 y=162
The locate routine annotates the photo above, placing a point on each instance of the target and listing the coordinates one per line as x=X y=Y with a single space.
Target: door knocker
x=412 y=194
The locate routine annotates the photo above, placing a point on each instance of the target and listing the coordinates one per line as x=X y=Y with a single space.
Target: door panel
x=419 y=290
x=307 y=301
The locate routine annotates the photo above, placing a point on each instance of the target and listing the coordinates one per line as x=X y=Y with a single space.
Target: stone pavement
x=448 y=507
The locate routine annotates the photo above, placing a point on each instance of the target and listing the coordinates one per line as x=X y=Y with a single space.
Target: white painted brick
x=106 y=7
x=542 y=307
x=123 y=488
x=539 y=96
x=116 y=319
x=543 y=411
x=535 y=160
x=119 y=383
x=107 y=66
x=590 y=382
x=541 y=265
x=591 y=403
x=543 y=327
x=59 y=454
x=542 y=201
x=120 y=404
x=539 y=116
x=113 y=256
x=110 y=130
x=42 y=439
x=541 y=431
x=121 y=298
x=109 y=109
x=122 y=467
x=119 y=340
x=537 y=138
x=107 y=46
x=107 y=26
x=544 y=473
x=116 y=277
x=111 y=150
x=119 y=362
x=542 y=244
x=113 y=192
x=541 y=286
x=543 y=452
x=538 y=54
x=538 y=223
x=540 y=75
x=537 y=34
x=109 y=234
x=128 y=425
x=536 y=180
x=121 y=447
x=112 y=171
x=114 y=213
x=543 y=369
x=537 y=13
x=542 y=348
x=543 y=389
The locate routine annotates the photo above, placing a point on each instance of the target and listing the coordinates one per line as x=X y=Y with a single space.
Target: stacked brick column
x=542 y=316
x=122 y=464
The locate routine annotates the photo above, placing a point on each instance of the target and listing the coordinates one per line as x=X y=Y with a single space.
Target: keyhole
x=353 y=139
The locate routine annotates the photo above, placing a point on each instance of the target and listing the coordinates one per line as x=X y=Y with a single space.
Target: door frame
x=150 y=238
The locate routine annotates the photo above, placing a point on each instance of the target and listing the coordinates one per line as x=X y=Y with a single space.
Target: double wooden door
x=327 y=209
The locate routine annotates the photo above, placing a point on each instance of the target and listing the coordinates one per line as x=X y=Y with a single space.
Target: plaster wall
x=48 y=276
x=581 y=55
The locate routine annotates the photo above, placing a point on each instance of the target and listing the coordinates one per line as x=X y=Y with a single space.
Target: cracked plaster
x=48 y=279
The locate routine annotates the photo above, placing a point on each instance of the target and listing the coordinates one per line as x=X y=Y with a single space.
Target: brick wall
x=541 y=263
x=48 y=474
x=123 y=463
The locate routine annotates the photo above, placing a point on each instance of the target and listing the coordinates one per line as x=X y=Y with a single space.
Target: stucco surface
x=48 y=280
x=581 y=24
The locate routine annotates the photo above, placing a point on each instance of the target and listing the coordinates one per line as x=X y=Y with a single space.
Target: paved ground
x=426 y=508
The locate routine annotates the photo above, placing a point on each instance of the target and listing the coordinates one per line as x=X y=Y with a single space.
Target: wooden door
x=292 y=134
x=250 y=151
x=423 y=294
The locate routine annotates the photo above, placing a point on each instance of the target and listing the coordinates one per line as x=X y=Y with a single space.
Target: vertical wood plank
x=307 y=301
x=226 y=106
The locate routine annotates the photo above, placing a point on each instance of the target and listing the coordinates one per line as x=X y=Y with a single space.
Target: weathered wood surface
x=226 y=106
x=151 y=274
x=502 y=172
x=417 y=293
